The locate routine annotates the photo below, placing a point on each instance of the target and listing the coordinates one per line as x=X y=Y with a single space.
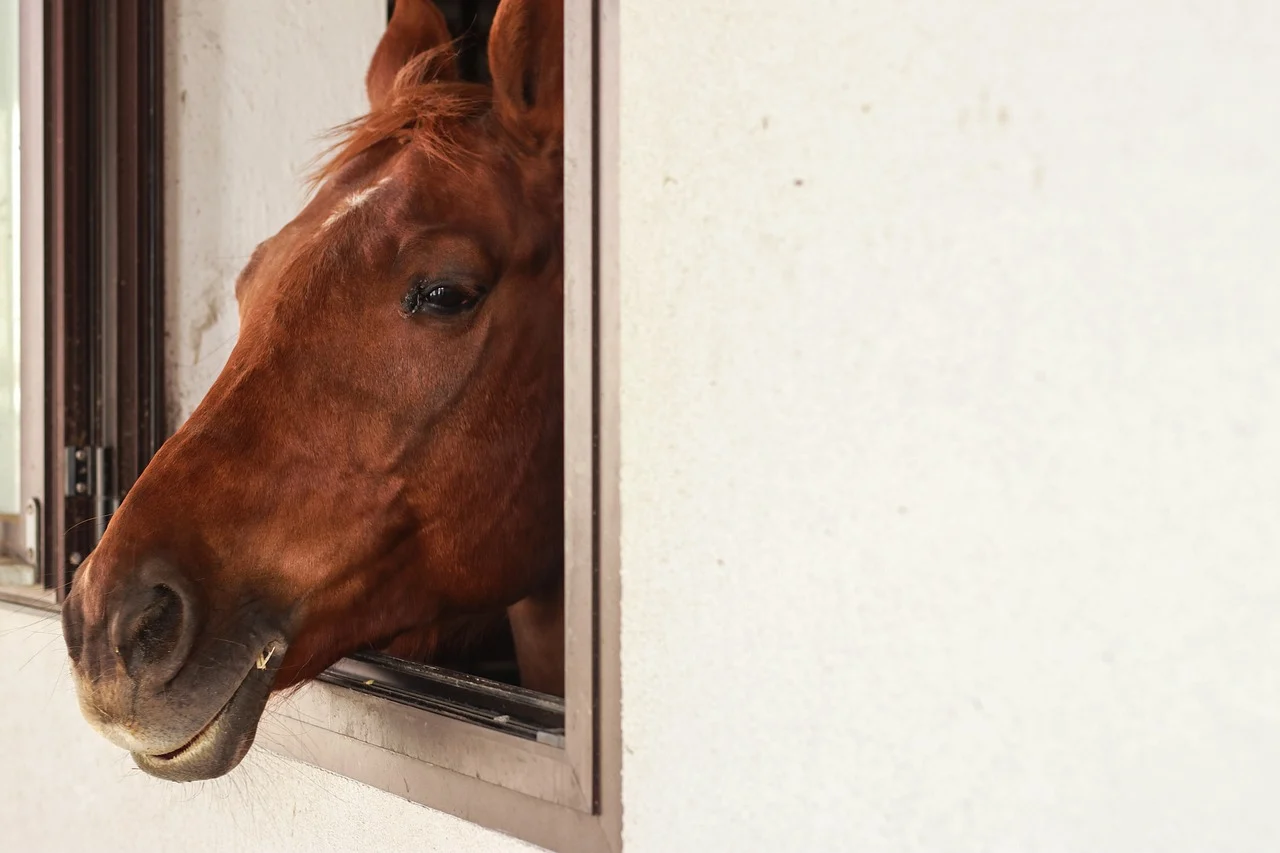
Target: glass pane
x=9 y=257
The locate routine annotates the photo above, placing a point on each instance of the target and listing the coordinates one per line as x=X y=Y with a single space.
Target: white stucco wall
x=950 y=433
x=951 y=426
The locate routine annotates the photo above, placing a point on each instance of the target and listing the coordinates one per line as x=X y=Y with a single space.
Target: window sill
x=29 y=596
x=498 y=780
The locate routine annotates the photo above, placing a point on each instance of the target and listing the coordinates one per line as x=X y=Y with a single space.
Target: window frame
x=92 y=268
x=104 y=267
x=566 y=798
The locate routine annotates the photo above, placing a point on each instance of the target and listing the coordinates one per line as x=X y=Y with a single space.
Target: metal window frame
x=566 y=798
x=104 y=266
x=92 y=271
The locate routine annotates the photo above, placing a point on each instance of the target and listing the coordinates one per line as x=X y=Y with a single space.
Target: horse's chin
x=222 y=744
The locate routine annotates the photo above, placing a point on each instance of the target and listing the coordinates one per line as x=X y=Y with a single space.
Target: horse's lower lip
x=209 y=731
x=218 y=747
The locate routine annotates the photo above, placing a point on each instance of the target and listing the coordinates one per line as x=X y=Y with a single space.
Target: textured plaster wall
x=951 y=426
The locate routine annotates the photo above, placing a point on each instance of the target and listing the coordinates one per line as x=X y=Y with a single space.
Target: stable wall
x=951 y=426
x=950 y=442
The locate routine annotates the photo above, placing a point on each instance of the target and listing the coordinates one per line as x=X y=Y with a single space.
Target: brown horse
x=379 y=465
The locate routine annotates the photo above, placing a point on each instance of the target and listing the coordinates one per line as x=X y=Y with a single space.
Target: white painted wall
x=950 y=434
x=951 y=426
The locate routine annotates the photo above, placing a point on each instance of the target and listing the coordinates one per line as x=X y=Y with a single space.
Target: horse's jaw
x=224 y=741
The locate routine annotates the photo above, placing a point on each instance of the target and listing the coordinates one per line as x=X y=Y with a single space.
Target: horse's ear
x=416 y=26
x=526 y=59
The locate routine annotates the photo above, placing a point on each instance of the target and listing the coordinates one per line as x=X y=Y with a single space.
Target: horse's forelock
x=421 y=110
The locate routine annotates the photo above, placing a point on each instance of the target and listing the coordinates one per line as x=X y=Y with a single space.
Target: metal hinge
x=31 y=527
x=90 y=472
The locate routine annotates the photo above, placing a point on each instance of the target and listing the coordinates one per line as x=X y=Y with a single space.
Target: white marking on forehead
x=354 y=201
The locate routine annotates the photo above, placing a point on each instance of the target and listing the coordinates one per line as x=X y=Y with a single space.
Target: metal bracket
x=79 y=471
x=91 y=474
x=31 y=533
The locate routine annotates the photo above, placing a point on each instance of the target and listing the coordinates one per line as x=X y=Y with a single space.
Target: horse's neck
x=450 y=641
x=537 y=626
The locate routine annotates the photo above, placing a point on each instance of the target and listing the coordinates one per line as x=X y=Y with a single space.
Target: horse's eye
x=433 y=297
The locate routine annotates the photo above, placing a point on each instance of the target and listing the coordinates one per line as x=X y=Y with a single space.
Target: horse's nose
x=151 y=625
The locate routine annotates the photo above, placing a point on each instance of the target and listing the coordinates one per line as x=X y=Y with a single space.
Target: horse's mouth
x=217 y=748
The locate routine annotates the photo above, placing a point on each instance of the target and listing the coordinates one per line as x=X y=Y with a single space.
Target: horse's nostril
x=154 y=634
x=157 y=631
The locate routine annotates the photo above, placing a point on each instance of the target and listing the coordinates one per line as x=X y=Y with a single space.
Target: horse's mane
x=421 y=108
